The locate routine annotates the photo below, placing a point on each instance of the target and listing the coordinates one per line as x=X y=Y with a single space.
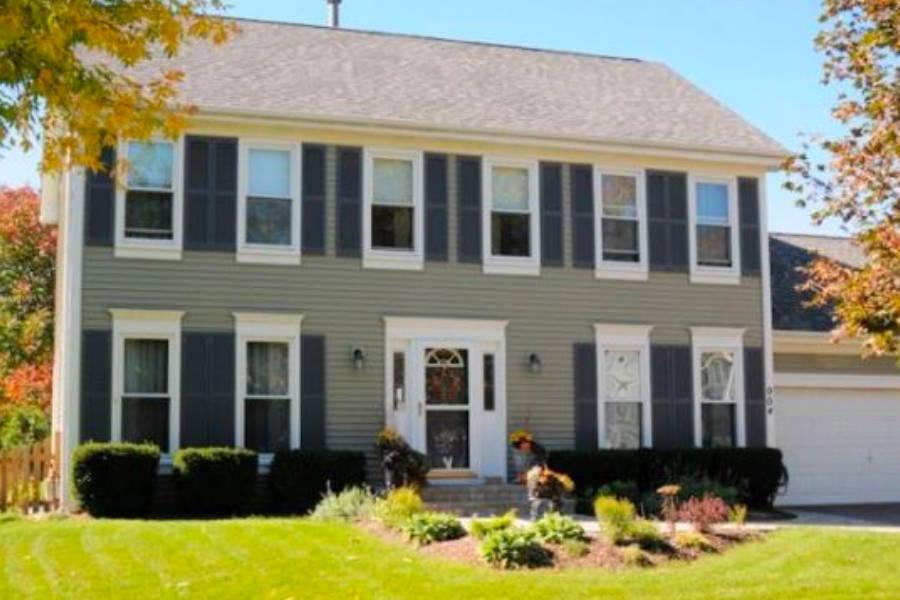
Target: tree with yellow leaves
x=66 y=72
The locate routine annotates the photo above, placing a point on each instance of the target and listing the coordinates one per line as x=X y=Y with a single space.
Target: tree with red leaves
x=855 y=176
x=27 y=256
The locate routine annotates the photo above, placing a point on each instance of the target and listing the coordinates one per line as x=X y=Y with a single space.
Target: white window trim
x=264 y=253
x=511 y=265
x=147 y=325
x=609 y=269
x=704 y=273
x=148 y=248
x=717 y=339
x=264 y=327
x=382 y=258
x=618 y=337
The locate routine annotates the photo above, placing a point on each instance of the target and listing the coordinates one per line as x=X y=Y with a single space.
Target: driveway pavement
x=871 y=517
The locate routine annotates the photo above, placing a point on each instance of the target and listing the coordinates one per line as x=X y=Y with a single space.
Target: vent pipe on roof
x=334 y=13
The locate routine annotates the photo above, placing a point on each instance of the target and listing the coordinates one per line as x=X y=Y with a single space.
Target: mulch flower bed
x=601 y=554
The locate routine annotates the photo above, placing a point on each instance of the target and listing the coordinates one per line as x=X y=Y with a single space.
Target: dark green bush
x=115 y=480
x=427 y=528
x=299 y=478
x=514 y=548
x=215 y=481
x=756 y=473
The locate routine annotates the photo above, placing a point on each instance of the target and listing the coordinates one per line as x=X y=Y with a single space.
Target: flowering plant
x=517 y=438
x=544 y=482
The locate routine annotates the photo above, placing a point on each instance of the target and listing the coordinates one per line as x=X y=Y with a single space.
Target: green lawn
x=283 y=558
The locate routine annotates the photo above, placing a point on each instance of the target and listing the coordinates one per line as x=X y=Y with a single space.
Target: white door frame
x=412 y=336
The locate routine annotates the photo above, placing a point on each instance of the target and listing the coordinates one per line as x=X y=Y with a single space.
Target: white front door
x=446 y=395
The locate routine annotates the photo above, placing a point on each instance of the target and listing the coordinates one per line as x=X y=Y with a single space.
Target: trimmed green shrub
x=645 y=534
x=514 y=548
x=693 y=540
x=115 y=480
x=299 y=478
x=479 y=528
x=215 y=481
x=398 y=507
x=427 y=528
x=351 y=504
x=554 y=528
x=616 y=516
x=756 y=473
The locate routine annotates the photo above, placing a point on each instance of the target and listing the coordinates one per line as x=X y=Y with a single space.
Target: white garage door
x=841 y=446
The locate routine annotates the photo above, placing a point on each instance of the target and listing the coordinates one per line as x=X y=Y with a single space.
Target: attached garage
x=841 y=446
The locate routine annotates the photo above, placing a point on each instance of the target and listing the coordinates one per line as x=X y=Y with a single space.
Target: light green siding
x=546 y=314
x=835 y=364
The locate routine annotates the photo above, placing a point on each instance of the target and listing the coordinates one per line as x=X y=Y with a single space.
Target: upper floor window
x=714 y=248
x=149 y=211
x=621 y=224
x=718 y=373
x=511 y=224
x=269 y=204
x=393 y=220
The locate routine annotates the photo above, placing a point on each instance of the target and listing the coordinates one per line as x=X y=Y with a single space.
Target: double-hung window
x=511 y=223
x=149 y=204
x=714 y=231
x=393 y=221
x=268 y=382
x=719 y=384
x=146 y=377
x=269 y=203
x=621 y=224
x=623 y=371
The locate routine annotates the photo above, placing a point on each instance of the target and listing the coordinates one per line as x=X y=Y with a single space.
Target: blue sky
x=757 y=56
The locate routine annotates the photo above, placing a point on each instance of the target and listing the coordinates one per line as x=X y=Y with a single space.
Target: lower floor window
x=718 y=421
x=267 y=401
x=145 y=401
x=622 y=406
x=718 y=400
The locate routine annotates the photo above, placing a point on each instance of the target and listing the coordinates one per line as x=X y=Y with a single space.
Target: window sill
x=267 y=256
x=398 y=261
x=501 y=266
x=715 y=276
x=630 y=273
x=147 y=251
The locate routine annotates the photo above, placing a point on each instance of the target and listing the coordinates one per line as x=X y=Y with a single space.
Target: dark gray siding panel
x=672 y=396
x=312 y=396
x=551 y=215
x=667 y=209
x=582 y=216
x=100 y=203
x=469 y=211
x=96 y=386
x=748 y=203
x=755 y=397
x=585 y=357
x=436 y=207
x=207 y=389
x=210 y=203
x=313 y=237
x=349 y=202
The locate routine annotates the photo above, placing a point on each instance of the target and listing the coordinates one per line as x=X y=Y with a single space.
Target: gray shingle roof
x=787 y=254
x=323 y=73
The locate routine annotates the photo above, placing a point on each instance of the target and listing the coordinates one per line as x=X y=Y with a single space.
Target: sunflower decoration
x=520 y=437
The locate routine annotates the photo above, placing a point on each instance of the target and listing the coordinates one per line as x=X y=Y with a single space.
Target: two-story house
x=457 y=239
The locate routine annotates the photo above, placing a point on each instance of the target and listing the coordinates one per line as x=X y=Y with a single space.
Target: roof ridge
x=436 y=38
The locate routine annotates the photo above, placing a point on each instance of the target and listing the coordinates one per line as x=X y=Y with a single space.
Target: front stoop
x=476 y=500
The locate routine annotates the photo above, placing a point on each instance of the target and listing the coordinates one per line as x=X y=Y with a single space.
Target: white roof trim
x=813 y=342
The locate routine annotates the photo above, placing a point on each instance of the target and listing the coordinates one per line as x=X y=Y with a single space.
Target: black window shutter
x=210 y=203
x=312 y=393
x=100 y=202
x=207 y=389
x=349 y=202
x=667 y=209
x=313 y=237
x=96 y=386
x=436 y=188
x=755 y=397
x=468 y=173
x=672 y=396
x=582 y=216
x=585 y=357
x=551 y=215
x=749 y=209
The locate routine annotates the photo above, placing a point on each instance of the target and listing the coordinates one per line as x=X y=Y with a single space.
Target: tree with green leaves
x=854 y=176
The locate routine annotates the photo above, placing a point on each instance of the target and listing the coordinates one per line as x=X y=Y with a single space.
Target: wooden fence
x=29 y=477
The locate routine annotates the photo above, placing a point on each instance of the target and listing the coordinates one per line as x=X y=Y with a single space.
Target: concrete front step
x=485 y=499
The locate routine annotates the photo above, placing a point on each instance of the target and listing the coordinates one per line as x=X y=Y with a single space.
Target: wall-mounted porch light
x=358 y=358
x=533 y=361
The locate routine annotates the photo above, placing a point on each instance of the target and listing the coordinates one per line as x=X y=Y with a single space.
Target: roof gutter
x=769 y=160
